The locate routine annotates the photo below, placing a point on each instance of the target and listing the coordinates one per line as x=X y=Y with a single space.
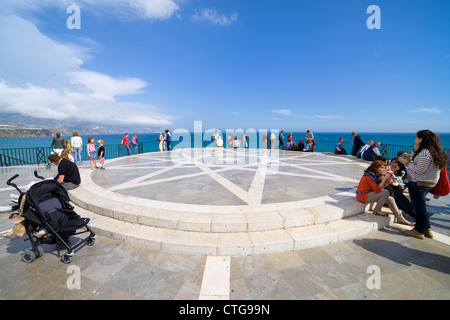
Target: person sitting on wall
x=308 y=146
x=301 y=145
x=339 y=148
x=372 y=152
x=68 y=173
x=364 y=149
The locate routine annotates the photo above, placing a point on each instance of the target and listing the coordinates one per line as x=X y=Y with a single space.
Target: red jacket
x=366 y=184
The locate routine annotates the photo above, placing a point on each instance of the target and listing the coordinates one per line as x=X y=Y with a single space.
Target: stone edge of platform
x=236 y=243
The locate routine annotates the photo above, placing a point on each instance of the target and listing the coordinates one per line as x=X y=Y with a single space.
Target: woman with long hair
x=371 y=188
x=427 y=160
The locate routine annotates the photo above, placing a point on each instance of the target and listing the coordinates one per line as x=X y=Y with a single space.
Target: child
x=67 y=145
x=101 y=154
x=399 y=170
x=67 y=155
x=236 y=143
x=91 y=152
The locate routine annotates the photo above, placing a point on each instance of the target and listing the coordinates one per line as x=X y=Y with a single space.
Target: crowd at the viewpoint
x=384 y=183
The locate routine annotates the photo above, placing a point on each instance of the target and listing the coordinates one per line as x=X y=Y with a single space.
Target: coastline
x=406 y=139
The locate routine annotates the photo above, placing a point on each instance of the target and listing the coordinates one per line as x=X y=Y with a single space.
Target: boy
x=101 y=154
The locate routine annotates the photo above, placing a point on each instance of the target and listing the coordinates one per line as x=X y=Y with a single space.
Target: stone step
x=219 y=219
x=235 y=243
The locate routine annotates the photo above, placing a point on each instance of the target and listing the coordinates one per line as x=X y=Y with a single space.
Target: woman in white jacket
x=427 y=160
x=77 y=146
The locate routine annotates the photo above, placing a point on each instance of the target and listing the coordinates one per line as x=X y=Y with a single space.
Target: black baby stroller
x=49 y=218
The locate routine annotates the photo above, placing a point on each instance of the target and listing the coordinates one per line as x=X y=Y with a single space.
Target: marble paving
x=227 y=177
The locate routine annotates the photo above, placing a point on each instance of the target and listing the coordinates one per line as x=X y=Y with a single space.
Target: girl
x=308 y=146
x=371 y=188
x=399 y=174
x=427 y=160
x=67 y=155
x=67 y=145
x=92 y=152
x=134 y=142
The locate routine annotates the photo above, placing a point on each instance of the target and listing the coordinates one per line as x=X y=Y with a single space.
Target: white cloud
x=28 y=56
x=284 y=112
x=327 y=116
x=105 y=87
x=429 y=110
x=42 y=78
x=66 y=104
x=213 y=17
x=141 y=9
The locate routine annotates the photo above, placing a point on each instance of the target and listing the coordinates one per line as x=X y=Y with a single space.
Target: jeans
x=128 y=149
x=418 y=196
x=403 y=203
x=77 y=154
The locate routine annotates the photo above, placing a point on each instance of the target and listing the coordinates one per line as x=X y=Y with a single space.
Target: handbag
x=442 y=188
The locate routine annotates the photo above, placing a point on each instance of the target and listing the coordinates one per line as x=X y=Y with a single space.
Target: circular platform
x=220 y=196
x=224 y=177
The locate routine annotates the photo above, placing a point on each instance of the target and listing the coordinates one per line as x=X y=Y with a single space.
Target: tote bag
x=442 y=188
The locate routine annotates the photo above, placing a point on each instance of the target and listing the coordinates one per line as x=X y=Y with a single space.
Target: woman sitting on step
x=371 y=188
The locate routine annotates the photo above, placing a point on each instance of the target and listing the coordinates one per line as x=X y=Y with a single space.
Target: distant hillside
x=18 y=132
x=16 y=125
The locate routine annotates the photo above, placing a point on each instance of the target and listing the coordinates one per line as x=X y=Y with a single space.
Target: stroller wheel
x=67 y=258
x=39 y=252
x=29 y=256
x=90 y=241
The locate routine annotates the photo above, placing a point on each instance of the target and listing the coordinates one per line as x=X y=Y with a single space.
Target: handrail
x=38 y=155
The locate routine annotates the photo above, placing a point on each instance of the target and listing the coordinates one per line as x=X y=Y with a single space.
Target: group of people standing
x=71 y=149
x=418 y=172
x=165 y=141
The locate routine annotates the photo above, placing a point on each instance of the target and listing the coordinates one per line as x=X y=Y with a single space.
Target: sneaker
x=429 y=234
x=413 y=233
x=14 y=196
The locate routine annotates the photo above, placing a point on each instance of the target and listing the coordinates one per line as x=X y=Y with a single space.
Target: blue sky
x=261 y=64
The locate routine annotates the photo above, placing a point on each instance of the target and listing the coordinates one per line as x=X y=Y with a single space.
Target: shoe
x=380 y=213
x=430 y=213
x=404 y=221
x=429 y=234
x=413 y=233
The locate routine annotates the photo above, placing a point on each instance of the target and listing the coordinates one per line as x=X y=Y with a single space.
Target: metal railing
x=38 y=155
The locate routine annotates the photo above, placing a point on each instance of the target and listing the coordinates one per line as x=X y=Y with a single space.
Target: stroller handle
x=38 y=176
x=9 y=182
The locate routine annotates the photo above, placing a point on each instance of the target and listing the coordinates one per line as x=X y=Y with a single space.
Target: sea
x=392 y=138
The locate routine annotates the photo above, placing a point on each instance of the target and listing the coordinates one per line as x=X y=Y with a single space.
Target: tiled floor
x=408 y=268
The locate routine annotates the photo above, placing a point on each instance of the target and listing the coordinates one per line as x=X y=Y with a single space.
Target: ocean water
x=402 y=139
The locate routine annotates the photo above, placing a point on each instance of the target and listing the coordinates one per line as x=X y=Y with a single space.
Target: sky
x=293 y=65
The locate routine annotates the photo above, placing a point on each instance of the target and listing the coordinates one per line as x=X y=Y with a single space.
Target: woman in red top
x=371 y=188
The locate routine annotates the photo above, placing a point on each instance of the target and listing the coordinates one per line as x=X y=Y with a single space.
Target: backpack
x=442 y=188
